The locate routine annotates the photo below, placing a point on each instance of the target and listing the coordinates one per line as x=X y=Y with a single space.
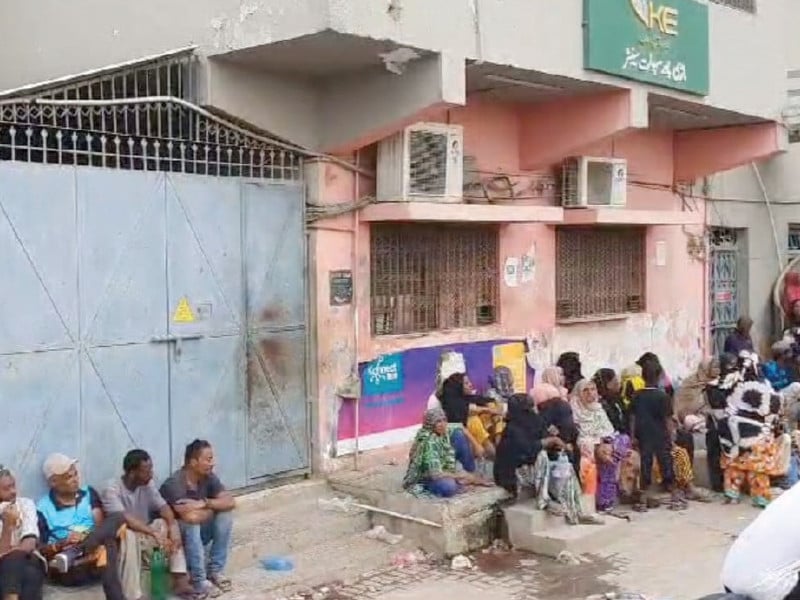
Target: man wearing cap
x=780 y=374
x=72 y=525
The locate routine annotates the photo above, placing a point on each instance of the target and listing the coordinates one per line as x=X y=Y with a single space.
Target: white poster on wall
x=511 y=271
x=661 y=253
x=528 y=268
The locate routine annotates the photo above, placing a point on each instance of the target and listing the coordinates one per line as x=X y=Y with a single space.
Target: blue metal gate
x=723 y=284
x=144 y=309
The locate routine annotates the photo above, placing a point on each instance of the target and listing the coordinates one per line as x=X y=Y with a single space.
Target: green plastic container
x=159 y=576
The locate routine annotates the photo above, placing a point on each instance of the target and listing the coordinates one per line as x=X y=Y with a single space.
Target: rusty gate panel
x=274 y=243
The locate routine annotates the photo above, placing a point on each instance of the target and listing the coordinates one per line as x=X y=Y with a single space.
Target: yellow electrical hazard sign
x=184 y=312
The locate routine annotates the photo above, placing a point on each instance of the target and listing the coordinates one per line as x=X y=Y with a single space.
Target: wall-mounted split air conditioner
x=592 y=182
x=422 y=163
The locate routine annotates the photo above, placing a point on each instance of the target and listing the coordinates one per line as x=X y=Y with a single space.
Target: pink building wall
x=673 y=324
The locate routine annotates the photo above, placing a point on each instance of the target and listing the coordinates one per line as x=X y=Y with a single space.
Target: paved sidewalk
x=664 y=555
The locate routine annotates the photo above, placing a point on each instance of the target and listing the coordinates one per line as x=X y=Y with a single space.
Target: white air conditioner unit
x=422 y=163
x=589 y=181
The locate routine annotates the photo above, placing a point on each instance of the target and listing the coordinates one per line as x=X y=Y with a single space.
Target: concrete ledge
x=622 y=216
x=454 y=210
x=536 y=531
x=469 y=521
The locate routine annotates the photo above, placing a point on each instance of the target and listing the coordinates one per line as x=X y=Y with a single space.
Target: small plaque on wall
x=341 y=285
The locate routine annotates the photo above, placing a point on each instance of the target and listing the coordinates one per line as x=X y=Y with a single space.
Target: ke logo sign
x=660 y=42
x=656 y=17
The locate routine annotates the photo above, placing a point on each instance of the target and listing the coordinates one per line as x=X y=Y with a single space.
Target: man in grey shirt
x=136 y=496
x=205 y=513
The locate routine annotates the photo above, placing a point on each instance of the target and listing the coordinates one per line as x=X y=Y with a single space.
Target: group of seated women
x=571 y=437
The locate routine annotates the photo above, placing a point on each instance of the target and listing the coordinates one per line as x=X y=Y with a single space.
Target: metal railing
x=137 y=116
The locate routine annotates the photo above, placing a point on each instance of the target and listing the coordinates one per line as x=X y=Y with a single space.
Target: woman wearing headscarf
x=632 y=382
x=690 y=399
x=487 y=425
x=527 y=456
x=752 y=442
x=599 y=442
x=456 y=396
x=556 y=413
x=554 y=376
x=665 y=383
x=717 y=392
x=432 y=460
x=570 y=365
x=740 y=339
x=609 y=390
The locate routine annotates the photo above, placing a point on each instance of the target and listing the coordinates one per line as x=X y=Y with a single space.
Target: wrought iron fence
x=599 y=271
x=427 y=277
x=745 y=5
x=137 y=118
x=149 y=136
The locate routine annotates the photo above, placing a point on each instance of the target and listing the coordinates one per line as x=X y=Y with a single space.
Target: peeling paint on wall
x=675 y=338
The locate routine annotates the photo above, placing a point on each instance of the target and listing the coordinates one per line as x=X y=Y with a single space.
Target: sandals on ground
x=222 y=583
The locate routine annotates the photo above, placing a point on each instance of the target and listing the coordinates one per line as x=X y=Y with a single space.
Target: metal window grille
x=139 y=118
x=793 y=239
x=745 y=5
x=599 y=271
x=432 y=277
x=428 y=162
x=723 y=287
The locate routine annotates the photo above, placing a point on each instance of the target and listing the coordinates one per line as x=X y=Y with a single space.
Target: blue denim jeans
x=443 y=488
x=463 y=449
x=217 y=532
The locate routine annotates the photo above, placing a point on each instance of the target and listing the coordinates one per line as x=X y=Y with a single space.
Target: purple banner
x=407 y=394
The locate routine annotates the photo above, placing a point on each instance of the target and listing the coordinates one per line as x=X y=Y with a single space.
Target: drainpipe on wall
x=356 y=224
x=778 y=253
x=706 y=326
x=761 y=185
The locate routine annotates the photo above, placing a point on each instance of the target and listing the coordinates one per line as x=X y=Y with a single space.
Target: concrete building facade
x=493 y=264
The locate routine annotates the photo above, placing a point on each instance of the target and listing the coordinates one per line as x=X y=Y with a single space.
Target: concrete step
x=468 y=521
x=536 y=531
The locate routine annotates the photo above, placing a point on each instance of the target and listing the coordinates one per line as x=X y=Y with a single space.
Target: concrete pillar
x=701 y=152
x=333 y=353
x=555 y=130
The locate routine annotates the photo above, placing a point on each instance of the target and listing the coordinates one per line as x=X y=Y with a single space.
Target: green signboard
x=663 y=42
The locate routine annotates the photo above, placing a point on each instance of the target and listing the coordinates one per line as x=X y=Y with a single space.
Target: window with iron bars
x=599 y=271
x=745 y=5
x=793 y=240
x=432 y=277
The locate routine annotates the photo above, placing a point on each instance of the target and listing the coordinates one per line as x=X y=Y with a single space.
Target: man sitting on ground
x=80 y=541
x=136 y=496
x=22 y=569
x=203 y=507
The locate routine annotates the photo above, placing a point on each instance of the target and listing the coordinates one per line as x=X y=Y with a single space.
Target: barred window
x=745 y=5
x=793 y=239
x=425 y=277
x=599 y=271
